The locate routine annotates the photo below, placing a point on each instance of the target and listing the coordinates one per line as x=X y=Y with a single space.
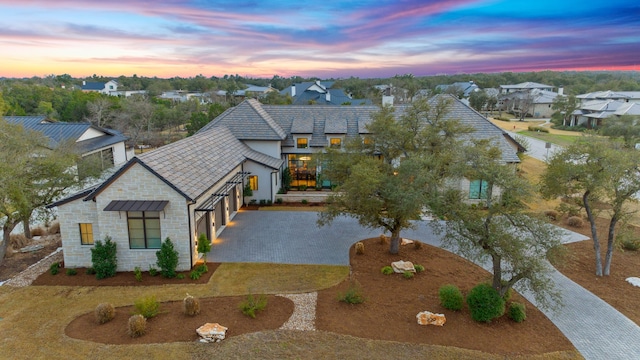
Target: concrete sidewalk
x=597 y=330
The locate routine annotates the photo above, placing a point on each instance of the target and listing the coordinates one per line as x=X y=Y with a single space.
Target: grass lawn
x=558 y=139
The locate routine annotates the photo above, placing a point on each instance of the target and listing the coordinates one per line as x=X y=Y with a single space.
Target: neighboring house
x=465 y=88
x=96 y=144
x=525 y=86
x=599 y=105
x=320 y=93
x=195 y=185
x=184 y=96
x=108 y=88
x=537 y=103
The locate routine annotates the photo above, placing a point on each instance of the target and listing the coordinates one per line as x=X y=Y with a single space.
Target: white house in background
x=108 y=88
x=103 y=146
x=538 y=103
x=623 y=96
x=465 y=87
x=599 y=105
x=195 y=185
x=526 y=86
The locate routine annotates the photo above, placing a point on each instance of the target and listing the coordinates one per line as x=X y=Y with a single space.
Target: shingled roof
x=249 y=121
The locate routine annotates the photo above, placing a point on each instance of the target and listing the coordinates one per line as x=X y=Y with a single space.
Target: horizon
x=370 y=39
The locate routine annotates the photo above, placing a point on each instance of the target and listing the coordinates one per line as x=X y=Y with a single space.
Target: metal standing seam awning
x=221 y=192
x=136 y=205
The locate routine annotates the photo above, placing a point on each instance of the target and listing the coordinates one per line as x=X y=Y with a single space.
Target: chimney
x=84 y=83
x=560 y=90
x=293 y=90
x=328 y=96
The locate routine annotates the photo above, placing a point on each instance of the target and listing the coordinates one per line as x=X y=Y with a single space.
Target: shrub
x=304 y=201
x=195 y=274
x=54 y=268
x=450 y=297
x=153 y=271
x=90 y=271
x=18 y=241
x=180 y=276
x=360 y=248
x=204 y=246
x=104 y=312
x=167 y=259
x=54 y=228
x=485 y=303
x=138 y=273
x=353 y=295
x=251 y=304
x=626 y=240
x=263 y=202
x=72 y=272
x=147 y=306
x=387 y=270
x=417 y=245
x=551 y=214
x=537 y=128
x=407 y=275
x=575 y=221
x=37 y=231
x=419 y=268
x=302 y=187
x=278 y=200
x=202 y=268
x=137 y=326
x=190 y=306
x=517 y=312
x=383 y=239
x=103 y=258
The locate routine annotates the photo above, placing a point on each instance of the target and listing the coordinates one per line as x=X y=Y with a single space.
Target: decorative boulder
x=402 y=266
x=404 y=241
x=429 y=318
x=211 y=332
x=635 y=281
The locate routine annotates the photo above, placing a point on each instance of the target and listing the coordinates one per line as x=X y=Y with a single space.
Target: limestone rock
x=635 y=281
x=429 y=318
x=402 y=266
x=211 y=332
x=404 y=241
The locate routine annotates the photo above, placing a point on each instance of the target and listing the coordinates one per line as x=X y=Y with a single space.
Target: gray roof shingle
x=249 y=121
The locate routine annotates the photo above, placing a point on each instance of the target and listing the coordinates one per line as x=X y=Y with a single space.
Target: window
x=478 y=189
x=253 y=182
x=335 y=142
x=86 y=234
x=302 y=143
x=144 y=229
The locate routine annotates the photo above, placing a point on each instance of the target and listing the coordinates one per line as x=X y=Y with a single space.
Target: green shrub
x=167 y=259
x=450 y=297
x=72 y=272
x=263 y=202
x=138 y=273
x=90 y=271
x=278 y=200
x=353 y=295
x=387 y=270
x=147 y=306
x=153 y=271
x=190 y=306
x=407 y=275
x=627 y=241
x=485 y=303
x=419 y=268
x=137 y=326
x=575 y=221
x=54 y=268
x=251 y=304
x=202 y=268
x=103 y=258
x=302 y=187
x=195 y=274
x=517 y=312
x=204 y=246
x=304 y=201
x=180 y=276
x=104 y=312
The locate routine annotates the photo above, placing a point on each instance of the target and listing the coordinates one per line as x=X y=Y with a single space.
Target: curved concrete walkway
x=597 y=330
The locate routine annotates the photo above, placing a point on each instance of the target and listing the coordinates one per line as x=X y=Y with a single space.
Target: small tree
x=104 y=258
x=167 y=259
x=204 y=246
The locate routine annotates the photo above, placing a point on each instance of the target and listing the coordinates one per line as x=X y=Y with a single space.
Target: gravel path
x=304 y=312
x=26 y=277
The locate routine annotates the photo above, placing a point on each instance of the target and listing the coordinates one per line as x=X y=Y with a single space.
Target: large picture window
x=253 y=182
x=144 y=229
x=86 y=234
x=478 y=189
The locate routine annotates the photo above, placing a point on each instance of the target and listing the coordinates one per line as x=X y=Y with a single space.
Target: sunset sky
x=333 y=38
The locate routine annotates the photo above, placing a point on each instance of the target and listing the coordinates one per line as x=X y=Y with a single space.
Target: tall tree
x=478 y=100
x=625 y=127
x=31 y=175
x=497 y=229
x=387 y=179
x=600 y=170
x=564 y=106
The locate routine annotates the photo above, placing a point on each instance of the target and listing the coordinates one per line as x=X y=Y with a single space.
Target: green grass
x=562 y=140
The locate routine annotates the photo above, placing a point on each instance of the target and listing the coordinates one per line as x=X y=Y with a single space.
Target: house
x=537 y=103
x=96 y=144
x=599 y=105
x=196 y=185
x=108 y=88
x=525 y=86
x=463 y=87
x=320 y=93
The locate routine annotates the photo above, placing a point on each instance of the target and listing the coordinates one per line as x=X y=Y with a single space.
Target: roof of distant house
x=527 y=85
